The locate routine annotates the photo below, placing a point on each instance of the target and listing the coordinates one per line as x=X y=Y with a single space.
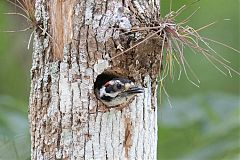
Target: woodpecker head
x=117 y=91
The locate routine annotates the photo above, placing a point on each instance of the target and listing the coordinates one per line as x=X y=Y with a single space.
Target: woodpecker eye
x=119 y=86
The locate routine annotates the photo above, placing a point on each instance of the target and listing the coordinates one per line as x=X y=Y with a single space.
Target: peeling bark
x=64 y=114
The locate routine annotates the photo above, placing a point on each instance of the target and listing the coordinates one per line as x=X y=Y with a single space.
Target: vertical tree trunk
x=65 y=120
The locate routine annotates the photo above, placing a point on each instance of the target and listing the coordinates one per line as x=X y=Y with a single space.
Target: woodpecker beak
x=134 y=90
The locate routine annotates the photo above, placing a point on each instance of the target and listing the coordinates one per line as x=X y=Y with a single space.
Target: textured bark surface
x=64 y=118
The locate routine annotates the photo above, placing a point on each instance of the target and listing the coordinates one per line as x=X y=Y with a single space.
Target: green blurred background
x=204 y=123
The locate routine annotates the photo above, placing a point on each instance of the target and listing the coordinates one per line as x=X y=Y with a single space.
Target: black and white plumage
x=117 y=91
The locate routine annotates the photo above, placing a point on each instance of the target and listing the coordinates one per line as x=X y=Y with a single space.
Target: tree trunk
x=66 y=119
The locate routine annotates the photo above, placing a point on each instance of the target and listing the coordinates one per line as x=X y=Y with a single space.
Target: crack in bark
x=59 y=131
x=128 y=136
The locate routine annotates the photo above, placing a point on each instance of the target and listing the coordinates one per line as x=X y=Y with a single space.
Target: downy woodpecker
x=117 y=91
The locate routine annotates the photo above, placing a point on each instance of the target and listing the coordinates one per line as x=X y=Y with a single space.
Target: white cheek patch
x=112 y=94
x=104 y=93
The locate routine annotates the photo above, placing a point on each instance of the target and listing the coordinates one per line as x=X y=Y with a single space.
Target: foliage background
x=204 y=122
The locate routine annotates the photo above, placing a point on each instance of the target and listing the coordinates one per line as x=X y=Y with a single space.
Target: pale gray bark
x=64 y=119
